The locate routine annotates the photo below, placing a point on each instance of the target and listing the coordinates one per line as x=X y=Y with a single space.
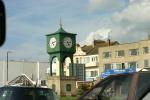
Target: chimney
x=149 y=37
x=98 y=42
x=109 y=42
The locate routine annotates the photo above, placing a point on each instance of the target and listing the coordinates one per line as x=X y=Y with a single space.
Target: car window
x=143 y=84
x=26 y=94
x=114 y=88
x=93 y=94
x=96 y=90
x=117 y=89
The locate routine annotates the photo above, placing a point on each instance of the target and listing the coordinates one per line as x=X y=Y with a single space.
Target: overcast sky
x=28 y=21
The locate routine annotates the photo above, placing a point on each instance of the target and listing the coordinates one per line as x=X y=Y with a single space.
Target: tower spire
x=60 y=23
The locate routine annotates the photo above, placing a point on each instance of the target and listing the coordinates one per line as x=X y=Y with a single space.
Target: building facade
x=88 y=55
x=124 y=56
x=90 y=61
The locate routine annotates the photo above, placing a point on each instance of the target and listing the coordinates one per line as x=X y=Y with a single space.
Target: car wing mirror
x=2 y=22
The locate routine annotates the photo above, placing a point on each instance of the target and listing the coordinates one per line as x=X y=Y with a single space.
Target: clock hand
x=53 y=42
x=68 y=43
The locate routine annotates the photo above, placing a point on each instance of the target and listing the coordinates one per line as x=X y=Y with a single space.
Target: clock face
x=67 y=42
x=52 y=42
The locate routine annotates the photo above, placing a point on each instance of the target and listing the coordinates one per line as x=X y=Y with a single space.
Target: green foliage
x=80 y=92
x=83 y=88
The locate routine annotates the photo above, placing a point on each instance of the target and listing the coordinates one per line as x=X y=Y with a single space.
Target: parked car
x=26 y=93
x=133 y=86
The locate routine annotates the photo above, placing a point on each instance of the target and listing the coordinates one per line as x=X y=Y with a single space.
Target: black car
x=26 y=93
x=133 y=86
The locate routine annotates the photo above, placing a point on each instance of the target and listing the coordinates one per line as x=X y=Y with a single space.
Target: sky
x=28 y=21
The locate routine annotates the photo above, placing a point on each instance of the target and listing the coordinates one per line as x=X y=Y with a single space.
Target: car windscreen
x=9 y=93
x=112 y=88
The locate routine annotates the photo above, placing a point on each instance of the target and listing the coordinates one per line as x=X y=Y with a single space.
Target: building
x=124 y=56
x=88 y=55
x=34 y=70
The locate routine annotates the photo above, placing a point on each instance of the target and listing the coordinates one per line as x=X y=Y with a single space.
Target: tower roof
x=61 y=30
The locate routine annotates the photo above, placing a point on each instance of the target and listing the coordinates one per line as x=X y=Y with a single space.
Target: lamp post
x=7 y=63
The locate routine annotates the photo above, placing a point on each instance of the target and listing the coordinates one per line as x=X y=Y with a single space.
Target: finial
x=60 y=23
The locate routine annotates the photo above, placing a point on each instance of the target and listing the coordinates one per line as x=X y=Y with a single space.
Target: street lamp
x=7 y=63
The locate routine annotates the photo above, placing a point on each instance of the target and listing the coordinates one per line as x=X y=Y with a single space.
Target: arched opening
x=55 y=66
x=66 y=66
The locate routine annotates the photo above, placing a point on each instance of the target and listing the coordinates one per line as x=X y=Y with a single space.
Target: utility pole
x=7 y=63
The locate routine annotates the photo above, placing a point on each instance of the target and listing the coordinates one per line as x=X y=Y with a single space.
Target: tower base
x=63 y=86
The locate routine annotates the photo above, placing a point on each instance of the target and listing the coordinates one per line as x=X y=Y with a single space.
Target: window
x=134 y=52
x=123 y=65
x=87 y=73
x=80 y=60
x=146 y=63
x=120 y=66
x=77 y=60
x=132 y=64
x=106 y=54
x=54 y=87
x=145 y=50
x=92 y=59
x=65 y=73
x=94 y=73
x=120 y=53
x=96 y=58
x=107 y=66
x=43 y=82
x=87 y=60
x=68 y=87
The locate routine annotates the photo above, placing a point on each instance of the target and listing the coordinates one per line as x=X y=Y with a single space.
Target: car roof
x=27 y=87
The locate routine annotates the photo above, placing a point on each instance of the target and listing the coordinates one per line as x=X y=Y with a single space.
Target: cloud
x=100 y=34
x=132 y=1
x=136 y=13
x=129 y=24
x=133 y=22
x=28 y=21
x=106 y=5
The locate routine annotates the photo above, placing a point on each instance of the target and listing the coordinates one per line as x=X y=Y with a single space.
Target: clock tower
x=61 y=45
